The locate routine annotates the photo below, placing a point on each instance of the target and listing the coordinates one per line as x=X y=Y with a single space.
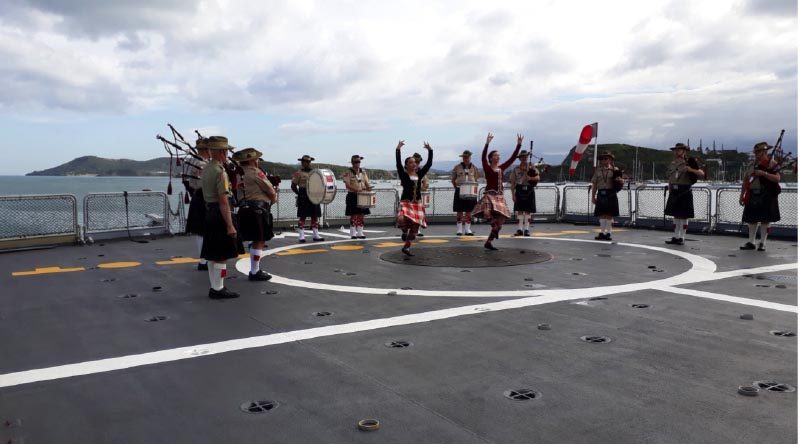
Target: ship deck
x=117 y=342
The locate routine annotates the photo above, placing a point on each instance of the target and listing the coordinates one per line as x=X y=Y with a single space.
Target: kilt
x=680 y=203
x=414 y=212
x=526 y=199
x=196 y=218
x=762 y=207
x=607 y=203
x=350 y=205
x=494 y=201
x=217 y=245
x=463 y=205
x=255 y=221
x=304 y=206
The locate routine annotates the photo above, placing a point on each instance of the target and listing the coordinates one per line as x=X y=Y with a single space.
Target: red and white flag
x=588 y=133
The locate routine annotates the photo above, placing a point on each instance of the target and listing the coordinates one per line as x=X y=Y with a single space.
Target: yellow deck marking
x=244 y=255
x=433 y=241
x=471 y=238
x=119 y=265
x=180 y=260
x=46 y=270
x=347 y=247
x=389 y=244
x=294 y=252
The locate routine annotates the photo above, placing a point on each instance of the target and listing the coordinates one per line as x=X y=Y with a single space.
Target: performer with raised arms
x=492 y=206
x=465 y=171
x=355 y=180
x=680 y=204
x=424 y=185
x=305 y=209
x=523 y=180
x=604 y=194
x=761 y=199
x=411 y=214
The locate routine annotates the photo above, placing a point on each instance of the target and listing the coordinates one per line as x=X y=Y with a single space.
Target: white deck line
x=734 y=299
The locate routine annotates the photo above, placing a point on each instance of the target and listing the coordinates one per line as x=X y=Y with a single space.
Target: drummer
x=305 y=209
x=523 y=180
x=465 y=171
x=355 y=180
x=424 y=184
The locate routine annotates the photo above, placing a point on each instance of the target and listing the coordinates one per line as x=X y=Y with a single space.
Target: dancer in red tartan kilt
x=411 y=215
x=492 y=206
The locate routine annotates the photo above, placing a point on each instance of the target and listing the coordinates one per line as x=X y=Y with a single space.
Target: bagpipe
x=696 y=163
x=771 y=164
x=619 y=173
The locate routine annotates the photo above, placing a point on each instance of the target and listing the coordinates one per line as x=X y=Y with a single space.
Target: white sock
x=609 y=225
x=467 y=227
x=199 y=241
x=521 y=221
x=751 y=232
x=678 y=226
x=526 y=223
x=316 y=232
x=764 y=229
x=255 y=259
x=352 y=230
x=458 y=228
x=360 y=230
x=301 y=234
x=216 y=271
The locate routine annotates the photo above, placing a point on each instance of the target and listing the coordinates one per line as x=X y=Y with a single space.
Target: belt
x=256 y=204
x=755 y=192
x=212 y=205
x=676 y=186
x=605 y=191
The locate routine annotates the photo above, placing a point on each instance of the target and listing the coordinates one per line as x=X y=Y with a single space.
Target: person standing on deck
x=195 y=220
x=523 y=180
x=492 y=206
x=680 y=203
x=355 y=180
x=305 y=209
x=761 y=205
x=604 y=194
x=465 y=171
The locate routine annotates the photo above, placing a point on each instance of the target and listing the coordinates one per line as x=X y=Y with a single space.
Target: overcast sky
x=334 y=78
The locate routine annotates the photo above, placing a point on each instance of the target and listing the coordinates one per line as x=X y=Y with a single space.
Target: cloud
x=772 y=7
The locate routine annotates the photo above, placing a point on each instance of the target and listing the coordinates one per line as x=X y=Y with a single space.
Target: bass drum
x=321 y=187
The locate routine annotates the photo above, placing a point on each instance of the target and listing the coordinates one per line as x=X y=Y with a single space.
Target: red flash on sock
x=223 y=273
x=256 y=258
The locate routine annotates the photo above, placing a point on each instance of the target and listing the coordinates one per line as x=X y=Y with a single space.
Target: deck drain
x=598 y=298
x=398 y=344
x=731 y=255
x=258 y=406
x=762 y=285
x=528 y=279
x=596 y=339
x=576 y=258
x=156 y=289
x=534 y=285
x=391 y=293
x=783 y=333
x=157 y=318
x=578 y=273
x=652 y=267
x=639 y=305
x=748 y=390
x=466 y=271
x=101 y=255
x=322 y=313
x=746 y=317
x=368 y=425
x=108 y=280
x=307 y=263
x=350 y=273
x=781 y=286
x=772 y=386
x=129 y=296
x=522 y=394
x=406 y=288
x=603 y=255
x=269 y=292
x=543 y=326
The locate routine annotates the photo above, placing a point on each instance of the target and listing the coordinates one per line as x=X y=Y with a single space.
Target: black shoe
x=420 y=235
x=527 y=233
x=202 y=267
x=602 y=236
x=318 y=239
x=518 y=233
x=608 y=236
x=260 y=275
x=748 y=246
x=407 y=252
x=353 y=237
x=362 y=237
x=469 y=234
x=761 y=247
x=674 y=241
x=460 y=234
x=222 y=294
x=489 y=246
x=301 y=241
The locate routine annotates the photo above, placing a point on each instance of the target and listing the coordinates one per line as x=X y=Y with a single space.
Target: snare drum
x=468 y=191
x=321 y=187
x=426 y=198
x=366 y=199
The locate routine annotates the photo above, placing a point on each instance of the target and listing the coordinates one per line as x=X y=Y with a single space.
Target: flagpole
x=597 y=130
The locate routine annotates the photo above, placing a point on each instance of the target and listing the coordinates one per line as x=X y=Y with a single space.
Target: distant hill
x=98 y=166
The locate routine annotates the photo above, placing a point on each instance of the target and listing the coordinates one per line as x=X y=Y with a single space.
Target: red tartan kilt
x=413 y=211
x=492 y=201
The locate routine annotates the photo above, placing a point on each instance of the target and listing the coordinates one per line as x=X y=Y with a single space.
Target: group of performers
x=222 y=215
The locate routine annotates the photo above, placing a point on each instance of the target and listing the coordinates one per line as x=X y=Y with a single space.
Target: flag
x=588 y=133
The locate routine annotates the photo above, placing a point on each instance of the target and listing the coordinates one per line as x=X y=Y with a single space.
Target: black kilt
x=463 y=205
x=217 y=245
x=351 y=207
x=255 y=221
x=196 y=219
x=680 y=203
x=607 y=203
x=762 y=207
x=525 y=199
x=304 y=206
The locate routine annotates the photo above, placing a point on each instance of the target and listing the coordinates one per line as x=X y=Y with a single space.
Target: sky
x=336 y=78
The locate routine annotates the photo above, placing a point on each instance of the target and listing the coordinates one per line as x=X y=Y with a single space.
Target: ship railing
x=111 y=215
x=577 y=206
x=34 y=220
x=651 y=201
x=728 y=217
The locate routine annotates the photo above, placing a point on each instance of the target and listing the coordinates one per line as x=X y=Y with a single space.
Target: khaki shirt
x=215 y=182
x=755 y=184
x=519 y=176
x=358 y=181
x=256 y=185
x=424 y=184
x=677 y=173
x=300 y=178
x=461 y=174
x=195 y=168
x=603 y=178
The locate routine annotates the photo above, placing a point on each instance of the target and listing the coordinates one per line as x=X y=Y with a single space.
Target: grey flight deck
x=669 y=374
